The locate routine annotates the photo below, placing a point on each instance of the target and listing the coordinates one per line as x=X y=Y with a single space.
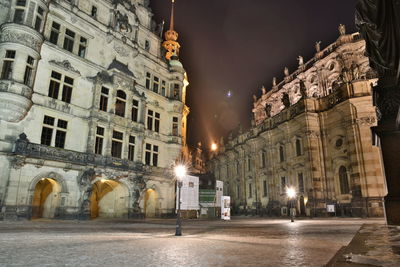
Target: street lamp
x=291 y=194
x=214 y=147
x=180 y=172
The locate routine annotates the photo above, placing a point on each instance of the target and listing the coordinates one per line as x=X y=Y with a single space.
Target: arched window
x=344 y=181
x=281 y=153
x=298 y=147
x=120 y=103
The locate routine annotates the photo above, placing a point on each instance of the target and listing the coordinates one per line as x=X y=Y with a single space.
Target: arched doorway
x=46 y=198
x=109 y=199
x=150 y=203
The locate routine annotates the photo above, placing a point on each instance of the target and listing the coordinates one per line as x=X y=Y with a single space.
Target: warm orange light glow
x=214 y=146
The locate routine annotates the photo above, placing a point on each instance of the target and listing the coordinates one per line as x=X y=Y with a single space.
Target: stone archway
x=150 y=203
x=109 y=199
x=46 y=198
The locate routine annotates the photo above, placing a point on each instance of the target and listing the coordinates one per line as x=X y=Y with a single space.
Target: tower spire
x=171 y=24
x=171 y=36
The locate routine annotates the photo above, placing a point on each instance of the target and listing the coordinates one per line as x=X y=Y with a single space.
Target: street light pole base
x=178 y=232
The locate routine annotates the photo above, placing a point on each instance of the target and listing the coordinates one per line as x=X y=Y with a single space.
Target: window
x=67 y=89
x=301 y=182
x=39 y=19
x=49 y=127
x=250 y=191
x=176 y=91
x=61 y=134
x=28 y=71
x=237 y=167
x=120 y=103
x=56 y=82
x=151 y=155
x=153 y=121
x=73 y=42
x=8 y=64
x=263 y=159
x=157 y=122
x=135 y=110
x=116 y=144
x=156 y=84
x=282 y=153
x=238 y=191
x=94 y=12
x=265 y=189
x=175 y=131
x=104 y=99
x=19 y=14
x=69 y=40
x=163 y=88
x=47 y=132
x=98 y=149
x=283 y=184
x=298 y=147
x=344 y=181
x=147 y=45
x=248 y=163
x=55 y=33
x=131 y=148
x=82 y=47
x=150 y=120
x=148 y=80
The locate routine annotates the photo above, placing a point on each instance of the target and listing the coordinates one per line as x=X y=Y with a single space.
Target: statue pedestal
x=390 y=145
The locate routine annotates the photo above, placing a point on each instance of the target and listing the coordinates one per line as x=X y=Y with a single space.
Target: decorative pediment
x=66 y=65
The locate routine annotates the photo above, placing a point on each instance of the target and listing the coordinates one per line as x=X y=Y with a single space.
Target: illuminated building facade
x=311 y=132
x=92 y=115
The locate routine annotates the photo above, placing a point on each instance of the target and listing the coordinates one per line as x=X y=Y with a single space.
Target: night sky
x=239 y=46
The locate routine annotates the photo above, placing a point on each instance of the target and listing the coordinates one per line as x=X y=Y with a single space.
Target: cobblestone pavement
x=240 y=242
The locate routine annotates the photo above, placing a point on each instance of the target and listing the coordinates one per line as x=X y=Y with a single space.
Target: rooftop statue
x=378 y=22
x=318 y=46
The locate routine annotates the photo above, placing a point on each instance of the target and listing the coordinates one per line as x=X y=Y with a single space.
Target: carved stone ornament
x=121 y=50
x=122 y=22
x=286 y=100
x=17 y=162
x=342 y=29
x=66 y=65
x=312 y=134
x=21 y=38
x=366 y=121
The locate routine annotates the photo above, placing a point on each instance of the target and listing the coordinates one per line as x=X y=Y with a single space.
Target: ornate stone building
x=312 y=132
x=91 y=113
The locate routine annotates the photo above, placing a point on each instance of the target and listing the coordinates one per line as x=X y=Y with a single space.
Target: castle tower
x=21 y=39
x=171 y=36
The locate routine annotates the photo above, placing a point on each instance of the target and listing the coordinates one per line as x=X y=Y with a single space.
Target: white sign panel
x=330 y=208
x=219 y=191
x=225 y=208
x=189 y=193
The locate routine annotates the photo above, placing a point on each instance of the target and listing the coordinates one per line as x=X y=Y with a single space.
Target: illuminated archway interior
x=46 y=198
x=109 y=199
x=150 y=203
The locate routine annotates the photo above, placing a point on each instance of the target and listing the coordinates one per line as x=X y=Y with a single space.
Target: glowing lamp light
x=214 y=146
x=290 y=192
x=180 y=171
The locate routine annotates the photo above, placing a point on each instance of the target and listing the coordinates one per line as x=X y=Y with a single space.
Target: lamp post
x=291 y=194
x=180 y=172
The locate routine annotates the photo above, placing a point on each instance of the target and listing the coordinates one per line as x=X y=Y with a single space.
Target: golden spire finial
x=171 y=36
x=171 y=24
